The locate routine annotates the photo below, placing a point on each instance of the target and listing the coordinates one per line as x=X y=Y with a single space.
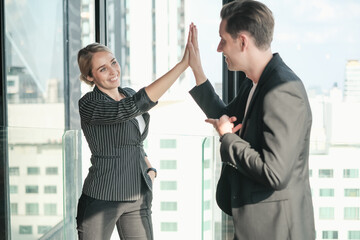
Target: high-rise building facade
x=352 y=81
x=334 y=167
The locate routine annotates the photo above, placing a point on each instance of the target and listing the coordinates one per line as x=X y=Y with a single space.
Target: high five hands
x=225 y=124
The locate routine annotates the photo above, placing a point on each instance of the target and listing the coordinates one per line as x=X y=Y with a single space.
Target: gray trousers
x=96 y=219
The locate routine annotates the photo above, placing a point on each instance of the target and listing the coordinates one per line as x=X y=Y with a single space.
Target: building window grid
x=207 y=163
x=326 y=192
x=354 y=235
x=167 y=143
x=14 y=171
x=326 y=173
x=31 y=189
x=351 y=213
x=207 y=205
x=351 y=173
x=43 y=229
x=168 y=206
x=330 y=234
x=14 y=208
x=169 y=227
x=32 y=209
x=326 y=213
x=14 y=189
x=25 y=229
x=352 y=192
x=168 y=164
x=50 y=189
x=168 y=185
x=33 y=170
x=50 y=209
x=51 y=171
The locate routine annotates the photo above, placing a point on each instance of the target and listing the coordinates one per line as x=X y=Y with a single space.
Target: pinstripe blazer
x=116 y=144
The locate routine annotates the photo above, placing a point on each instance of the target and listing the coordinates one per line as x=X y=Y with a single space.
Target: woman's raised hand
x=194 y=55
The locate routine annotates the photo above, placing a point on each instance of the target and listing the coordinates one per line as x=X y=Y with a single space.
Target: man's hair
x=251 y=16
x=84 y=59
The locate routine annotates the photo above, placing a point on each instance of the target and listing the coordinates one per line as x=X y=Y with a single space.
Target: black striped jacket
x=116 y=144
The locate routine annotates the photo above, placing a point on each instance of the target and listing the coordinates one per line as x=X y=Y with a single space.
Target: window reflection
x=35 y=96
x=34 y=58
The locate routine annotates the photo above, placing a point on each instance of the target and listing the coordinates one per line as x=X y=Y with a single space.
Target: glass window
x=354 y=235
x=168 y=206
x=326 y=173
x=155 y=46
x=207 y=163
x=351 y=213
x=43 y=229
x=35 y=63
x=168 y=185
x=167 y=143
x=351 y=173
x=169 y=227
x=207 y=225
x=51 y=171
x=25 y=229
x=32 y=208
x=13 y=189
x=32 y=189
x=33 y=170
x=207 y=205
x=50 y=189
x=326 y=213
x=168 y=164
x=326 y=192
x=207 y=144
x=14 y=208
x=207 y=184
x=330 y=234
x=352 y=192
x=50 y=209
x=14 y=171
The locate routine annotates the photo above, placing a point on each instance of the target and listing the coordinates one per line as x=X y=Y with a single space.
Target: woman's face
x=105 y=71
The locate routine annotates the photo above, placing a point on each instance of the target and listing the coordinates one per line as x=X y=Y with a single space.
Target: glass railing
x=42 y=182
x=47 y=167
x=216 y=225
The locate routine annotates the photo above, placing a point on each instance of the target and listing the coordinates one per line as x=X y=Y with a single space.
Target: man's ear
x=243 y=40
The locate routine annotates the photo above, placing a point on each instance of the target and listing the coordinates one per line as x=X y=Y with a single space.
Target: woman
x=114 y=120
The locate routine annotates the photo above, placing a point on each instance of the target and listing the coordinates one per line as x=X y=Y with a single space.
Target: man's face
x=231 y=48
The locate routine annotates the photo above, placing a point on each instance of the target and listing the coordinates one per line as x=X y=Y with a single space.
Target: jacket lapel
x=275 y=61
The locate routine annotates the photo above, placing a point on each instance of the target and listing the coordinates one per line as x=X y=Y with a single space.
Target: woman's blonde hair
x=85 y=60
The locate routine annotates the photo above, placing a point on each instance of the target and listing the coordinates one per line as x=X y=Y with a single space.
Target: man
x=264 y=183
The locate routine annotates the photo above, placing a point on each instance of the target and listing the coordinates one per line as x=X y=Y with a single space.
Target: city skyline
x=315 y=38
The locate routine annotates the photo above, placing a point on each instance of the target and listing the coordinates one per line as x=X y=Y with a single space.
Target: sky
x=314 y=38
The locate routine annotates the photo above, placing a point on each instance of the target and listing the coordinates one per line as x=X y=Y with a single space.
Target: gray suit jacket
x=264 y=182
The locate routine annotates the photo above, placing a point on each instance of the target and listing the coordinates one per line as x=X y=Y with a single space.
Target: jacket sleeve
x=286 y=125
x=96 y=109
x=207 y=99
x=213 y=107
